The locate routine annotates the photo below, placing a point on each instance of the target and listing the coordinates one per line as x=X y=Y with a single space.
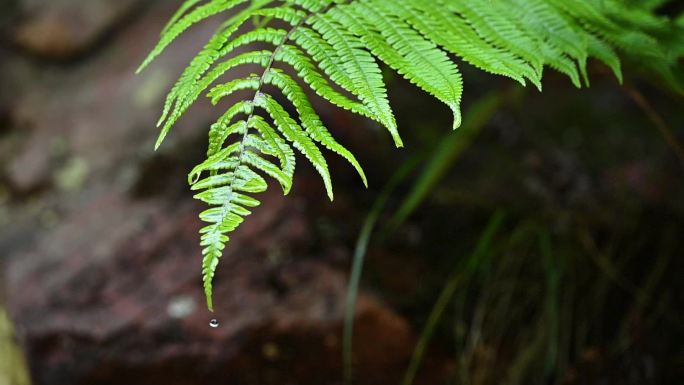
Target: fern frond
x=361 y=68
x=281 y=149
x=174 y=29
x=308 y=72
x=457 y=37
x=310 y=120
x=294 y=133
x=193 y=91
x=332 y=49
x=555 y=30
x=499 y=29
x=404 y=50
x=187 y=5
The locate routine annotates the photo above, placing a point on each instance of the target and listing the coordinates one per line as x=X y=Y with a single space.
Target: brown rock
x=63 y=29
x=119 y=301
x=100 y=112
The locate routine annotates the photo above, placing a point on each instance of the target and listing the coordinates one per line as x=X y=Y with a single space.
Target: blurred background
x=540 y=244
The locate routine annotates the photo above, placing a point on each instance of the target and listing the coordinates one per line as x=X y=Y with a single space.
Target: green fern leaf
x=294 y=133
x=307 y=115
x=281 y=149
x=333 y=47
x=362 y=69
x=172 y=31
x=405 y=51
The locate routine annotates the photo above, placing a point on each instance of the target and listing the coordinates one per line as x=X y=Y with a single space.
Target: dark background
x=581 y=283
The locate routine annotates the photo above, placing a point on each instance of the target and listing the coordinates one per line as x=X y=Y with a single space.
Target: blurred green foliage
x=13 y=369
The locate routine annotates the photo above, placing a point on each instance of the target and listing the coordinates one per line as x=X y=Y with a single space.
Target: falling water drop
x=214 y=323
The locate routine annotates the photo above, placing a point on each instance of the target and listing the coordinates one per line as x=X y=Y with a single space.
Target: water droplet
x=214 y=323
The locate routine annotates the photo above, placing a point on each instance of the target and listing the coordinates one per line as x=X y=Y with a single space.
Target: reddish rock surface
x=129 y=308
x=61 y=29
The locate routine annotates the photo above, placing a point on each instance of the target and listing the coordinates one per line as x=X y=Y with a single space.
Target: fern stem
x=262 y=81
x=245 y=135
